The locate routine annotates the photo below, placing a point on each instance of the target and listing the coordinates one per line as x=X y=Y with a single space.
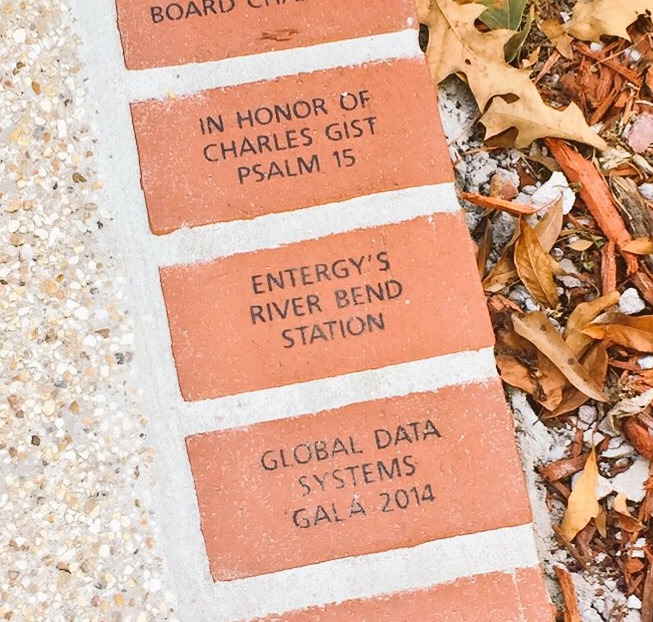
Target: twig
x=563 y=468
x=608 y=268
x=647 y=600
x=634 y=210
x=551 y=61
x=630 y=75
x=495 y=203
x=572 y=613
x=596 y=194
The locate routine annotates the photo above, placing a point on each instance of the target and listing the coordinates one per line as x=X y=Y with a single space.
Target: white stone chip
x=633 y=602
x=631 y=482
x=549 y=192
x=630 y=302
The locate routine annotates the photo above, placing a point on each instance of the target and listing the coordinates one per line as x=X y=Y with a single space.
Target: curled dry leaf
x=635 y=333
x=523 y=366
x=457 y=47
x=561 y=469
x=592 y=20
x=535 y=267
x=601 y=522
x=581 y=317
x=596 y=363
x=536 y=328
x=504 y=273
x=549 y=228
x=582 y=505
x=640 y=246
x=587 y=312
x=626 y=520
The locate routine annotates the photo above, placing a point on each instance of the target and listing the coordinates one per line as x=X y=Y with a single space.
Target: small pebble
x=630 y=302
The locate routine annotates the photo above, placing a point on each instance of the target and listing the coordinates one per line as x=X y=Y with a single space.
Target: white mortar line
x=431 y=374
x=157 y=83
x=274 y=230
x=99 y=19
x=501 y=550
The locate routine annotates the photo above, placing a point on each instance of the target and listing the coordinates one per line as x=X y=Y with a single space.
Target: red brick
x=485 y=598
x=534 y=596
x=183 y=188
x=221 y=346
x=263 y=508
x=149 y=41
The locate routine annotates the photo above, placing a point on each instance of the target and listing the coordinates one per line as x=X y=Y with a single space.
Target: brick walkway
x=332 y=435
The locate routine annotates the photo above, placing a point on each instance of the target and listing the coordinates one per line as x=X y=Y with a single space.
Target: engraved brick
x=496 y=597
x=158 y=33
x=281 y=145
x=320 y=308
x=366 y=478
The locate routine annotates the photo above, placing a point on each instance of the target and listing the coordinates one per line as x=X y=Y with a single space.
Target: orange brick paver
x=156 y=33
x=496 y=597
x=320 y=308
x=267 y=147
x=361 y=479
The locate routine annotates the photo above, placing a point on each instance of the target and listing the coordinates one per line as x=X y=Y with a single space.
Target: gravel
x=77 y=541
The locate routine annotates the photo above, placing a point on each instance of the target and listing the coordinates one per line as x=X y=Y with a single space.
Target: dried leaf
x=580 y=318
x=533 y=119
x=635 y=333
x=539 y=331
x=502 y=275
x=640 y=246
x=484 y=249
x=591 y=20
x=534 y=267
x=581 y=245
x=596 y=363
x=555 y=33
x=587 y=312
x=601 y=522
x=549 y=228
x=523 y=366
x=626 y=520
x=561 y=469
x=582 y=505
x=457 y=47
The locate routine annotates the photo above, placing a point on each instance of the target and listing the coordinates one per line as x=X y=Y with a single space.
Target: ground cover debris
x=552 y=147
